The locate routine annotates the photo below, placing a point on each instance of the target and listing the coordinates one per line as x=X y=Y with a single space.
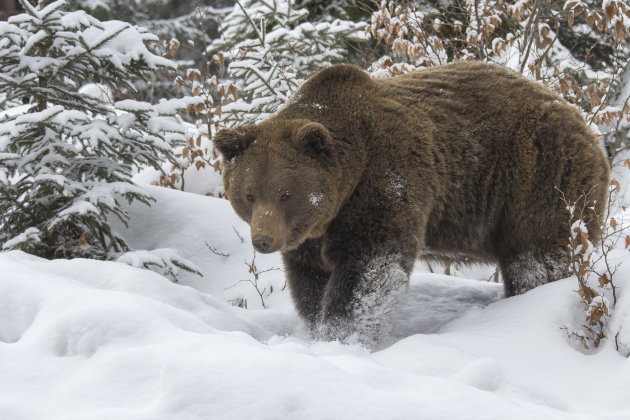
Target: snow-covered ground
x=84 y=339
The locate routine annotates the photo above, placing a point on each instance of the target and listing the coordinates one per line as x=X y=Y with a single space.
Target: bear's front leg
x=306 y=278
x=372 y=263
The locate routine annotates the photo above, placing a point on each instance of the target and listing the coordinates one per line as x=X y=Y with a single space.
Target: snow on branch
x=68 y=156
x=164 y=261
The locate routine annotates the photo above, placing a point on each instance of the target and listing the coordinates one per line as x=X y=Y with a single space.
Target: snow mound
x=103 y=340
x=206 y=231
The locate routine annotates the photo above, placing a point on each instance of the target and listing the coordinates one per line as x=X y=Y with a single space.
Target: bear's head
x=281 y=177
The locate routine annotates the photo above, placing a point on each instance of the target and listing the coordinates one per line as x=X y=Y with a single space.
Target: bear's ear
x=232 y=142
x=313 y=139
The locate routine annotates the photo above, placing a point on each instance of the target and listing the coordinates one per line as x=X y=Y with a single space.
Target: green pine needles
x=67 y=154
x=271 y=48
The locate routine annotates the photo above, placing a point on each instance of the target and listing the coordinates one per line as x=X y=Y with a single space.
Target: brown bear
x=355 y=178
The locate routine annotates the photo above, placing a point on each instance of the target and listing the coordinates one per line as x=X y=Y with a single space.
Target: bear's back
x=468 y=88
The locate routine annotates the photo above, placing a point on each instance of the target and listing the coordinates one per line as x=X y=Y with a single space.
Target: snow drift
x=103 y=340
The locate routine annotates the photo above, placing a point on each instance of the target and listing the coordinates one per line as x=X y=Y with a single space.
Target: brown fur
x=356 y=177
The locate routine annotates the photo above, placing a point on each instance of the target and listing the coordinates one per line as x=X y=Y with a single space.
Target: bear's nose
x=262 y=243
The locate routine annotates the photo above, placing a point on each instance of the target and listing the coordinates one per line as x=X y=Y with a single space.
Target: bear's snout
x=262 y=243
x=268 y=228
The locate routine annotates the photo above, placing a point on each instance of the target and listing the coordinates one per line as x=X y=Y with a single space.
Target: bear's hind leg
x=526 y=271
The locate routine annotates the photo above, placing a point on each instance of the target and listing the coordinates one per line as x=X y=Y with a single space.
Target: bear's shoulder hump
x=344 y=74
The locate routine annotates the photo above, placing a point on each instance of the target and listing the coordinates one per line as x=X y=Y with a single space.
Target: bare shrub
x=595 y=269
x=579 y=50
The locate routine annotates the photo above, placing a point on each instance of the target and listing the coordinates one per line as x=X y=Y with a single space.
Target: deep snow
x=86 y=339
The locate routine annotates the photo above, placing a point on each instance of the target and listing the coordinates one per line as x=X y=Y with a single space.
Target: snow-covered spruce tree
x=271 y=47
x=165 y=18
x=67 y=156
x=191 y=21
x=356 y=10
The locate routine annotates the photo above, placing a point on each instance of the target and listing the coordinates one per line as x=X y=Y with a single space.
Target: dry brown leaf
x=582 y=269
x=83 y=239
x=587 y=293
x=616 y=184
x=609 y=11
x=234 y=91
x=174 y=47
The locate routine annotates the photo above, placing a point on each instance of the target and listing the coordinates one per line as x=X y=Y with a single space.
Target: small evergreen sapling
x=66 y=158
x=264 y=52
x=271 y=47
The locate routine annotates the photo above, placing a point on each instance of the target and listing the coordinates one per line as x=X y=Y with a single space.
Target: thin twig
x=258 y=35
x=214 y=250
x=238 y=235
x=530 y=33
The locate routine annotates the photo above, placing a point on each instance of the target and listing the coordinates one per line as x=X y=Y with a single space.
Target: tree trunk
x=7 y=8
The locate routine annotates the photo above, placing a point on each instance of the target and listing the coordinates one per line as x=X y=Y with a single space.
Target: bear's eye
x=284 y=197
x=250 y=198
